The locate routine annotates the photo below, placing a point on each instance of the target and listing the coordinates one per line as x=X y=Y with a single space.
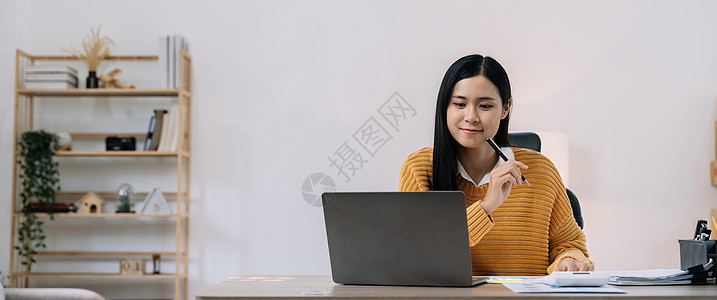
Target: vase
x=92 y=81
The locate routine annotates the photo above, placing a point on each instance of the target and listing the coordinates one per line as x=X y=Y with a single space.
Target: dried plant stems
x=96 y=49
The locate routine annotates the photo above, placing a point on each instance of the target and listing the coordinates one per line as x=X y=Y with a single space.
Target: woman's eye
x=460 y=105
x=485 y=106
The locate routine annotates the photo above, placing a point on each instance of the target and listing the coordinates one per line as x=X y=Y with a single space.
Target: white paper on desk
x=519 y=279
x=544 y=288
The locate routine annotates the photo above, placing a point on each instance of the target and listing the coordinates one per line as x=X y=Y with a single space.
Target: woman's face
x=474 y=111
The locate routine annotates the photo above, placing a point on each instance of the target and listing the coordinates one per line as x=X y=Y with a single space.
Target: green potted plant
x=40 y=179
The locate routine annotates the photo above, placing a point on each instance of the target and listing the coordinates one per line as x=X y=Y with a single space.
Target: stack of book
x=169 y=47
x=163 y=132
x=50 y=77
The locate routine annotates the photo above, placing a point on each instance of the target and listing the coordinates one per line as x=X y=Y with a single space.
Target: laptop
x=399 y=238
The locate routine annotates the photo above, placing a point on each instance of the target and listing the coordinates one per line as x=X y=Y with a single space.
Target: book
x=662 y=276
x=50 y=68
x=182 y=45
x=169 y=57
x=66 y=79
x=174 y=138
x=50 y=75
x=162 y=145
x=170 y=136
x=164 y=62
x=69 y=80
x=50 y=85
x=157 y=135
x=50 y=78
x=150 y=132
x=43 y=207
x=661 y=282
x=172 y=58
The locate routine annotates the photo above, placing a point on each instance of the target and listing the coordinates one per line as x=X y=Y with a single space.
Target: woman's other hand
x=502 y=179
x=571 y=264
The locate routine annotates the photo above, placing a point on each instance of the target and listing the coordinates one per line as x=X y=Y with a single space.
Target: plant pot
x=92 y=81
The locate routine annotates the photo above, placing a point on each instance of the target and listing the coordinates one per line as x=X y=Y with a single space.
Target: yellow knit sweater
x=526 y=235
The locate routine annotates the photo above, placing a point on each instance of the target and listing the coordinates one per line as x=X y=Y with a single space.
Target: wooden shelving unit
x=24 y=121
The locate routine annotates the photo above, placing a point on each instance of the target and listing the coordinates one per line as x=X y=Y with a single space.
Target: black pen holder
x=694 y=253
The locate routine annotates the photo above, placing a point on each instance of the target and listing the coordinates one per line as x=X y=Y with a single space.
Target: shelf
x=108 y=58
x=80 y=194
x=102 y=135
x=103 y=215
x=100 y=92
x=97 y=253
x=115 y=153
x=98 y=275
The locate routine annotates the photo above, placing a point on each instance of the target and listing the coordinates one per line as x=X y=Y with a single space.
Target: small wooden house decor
x=155 y=203
x=91 y=203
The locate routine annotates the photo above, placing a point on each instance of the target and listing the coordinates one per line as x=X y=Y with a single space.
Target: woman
x=514 y=228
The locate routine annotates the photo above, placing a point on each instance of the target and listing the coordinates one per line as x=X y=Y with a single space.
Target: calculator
x=576 y=279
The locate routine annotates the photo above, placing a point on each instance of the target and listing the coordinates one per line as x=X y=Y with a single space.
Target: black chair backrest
x=531 y=140
x=577 y=212
x=527 y=140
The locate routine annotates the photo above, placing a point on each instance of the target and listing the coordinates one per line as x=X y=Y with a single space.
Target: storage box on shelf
x=26 y=119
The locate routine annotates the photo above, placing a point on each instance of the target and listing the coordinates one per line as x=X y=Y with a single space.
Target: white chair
x=47 y=294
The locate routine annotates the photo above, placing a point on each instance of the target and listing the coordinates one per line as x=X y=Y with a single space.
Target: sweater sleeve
x=566 y=239
x=479 y=223
x=416 y=172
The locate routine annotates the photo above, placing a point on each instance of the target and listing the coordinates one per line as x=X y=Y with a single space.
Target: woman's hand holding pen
x=502 y=179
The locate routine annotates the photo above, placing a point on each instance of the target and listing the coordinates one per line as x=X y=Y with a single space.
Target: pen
x=500 y=153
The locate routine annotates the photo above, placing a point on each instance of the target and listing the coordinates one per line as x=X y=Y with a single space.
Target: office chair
x=531 y=140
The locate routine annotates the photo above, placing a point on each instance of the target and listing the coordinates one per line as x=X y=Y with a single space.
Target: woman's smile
x=471 y=131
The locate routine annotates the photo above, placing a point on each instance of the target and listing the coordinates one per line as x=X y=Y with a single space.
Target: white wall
x=8 y=35
x=280 y=85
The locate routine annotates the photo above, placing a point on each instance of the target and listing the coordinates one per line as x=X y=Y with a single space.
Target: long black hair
x=445 y=147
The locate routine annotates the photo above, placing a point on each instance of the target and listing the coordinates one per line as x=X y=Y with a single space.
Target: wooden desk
x=289 y=287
